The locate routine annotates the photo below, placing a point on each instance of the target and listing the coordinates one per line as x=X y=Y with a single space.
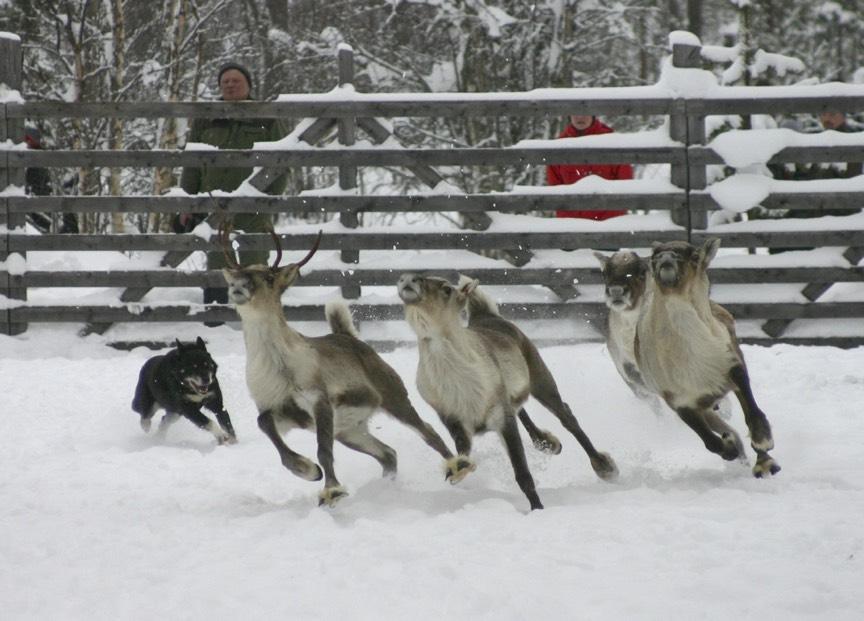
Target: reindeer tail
x=339 y=317
x=478 y=302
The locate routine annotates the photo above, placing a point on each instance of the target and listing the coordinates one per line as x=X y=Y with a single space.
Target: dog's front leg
x=215 y=405
x=195 y=415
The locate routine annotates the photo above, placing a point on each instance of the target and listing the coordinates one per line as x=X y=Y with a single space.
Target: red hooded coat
x=565 y=174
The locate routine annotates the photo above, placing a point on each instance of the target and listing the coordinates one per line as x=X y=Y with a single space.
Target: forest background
x=169 y=50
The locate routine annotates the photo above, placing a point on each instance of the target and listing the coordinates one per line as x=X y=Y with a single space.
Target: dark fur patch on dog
x=182 y=382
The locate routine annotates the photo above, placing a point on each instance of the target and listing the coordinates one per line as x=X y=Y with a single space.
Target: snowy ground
x=99 y=521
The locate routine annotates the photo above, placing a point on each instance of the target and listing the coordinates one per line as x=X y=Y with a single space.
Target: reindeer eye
x=447 y=289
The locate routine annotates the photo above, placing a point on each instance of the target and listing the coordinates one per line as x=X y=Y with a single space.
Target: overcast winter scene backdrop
x=100 y=521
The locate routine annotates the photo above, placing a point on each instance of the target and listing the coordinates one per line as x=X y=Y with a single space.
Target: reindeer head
x=260 y=284
x=430 y=300
x=625 y=275
x=676 y=265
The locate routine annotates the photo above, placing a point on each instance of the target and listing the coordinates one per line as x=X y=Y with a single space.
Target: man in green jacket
x=235 y=84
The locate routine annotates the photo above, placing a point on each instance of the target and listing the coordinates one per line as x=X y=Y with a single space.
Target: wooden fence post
x=348 y=174
x=10 y=129
x=689 y=129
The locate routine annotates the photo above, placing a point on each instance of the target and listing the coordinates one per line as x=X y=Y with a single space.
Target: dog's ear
x=178 y=344
x=200 y=343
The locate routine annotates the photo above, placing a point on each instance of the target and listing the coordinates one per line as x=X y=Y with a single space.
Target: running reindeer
x=688 y=353
x=478 y=377
x=331 y=384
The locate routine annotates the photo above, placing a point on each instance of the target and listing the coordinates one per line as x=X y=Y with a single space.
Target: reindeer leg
x=543 y=440
x=332 y=491
x=510 y=436
x=602 y=463
x=296 y=463
x=405 y=413
x=359 y=439
x=760 y=429
x=723 y=446
x=720 y=426
x=460 y=466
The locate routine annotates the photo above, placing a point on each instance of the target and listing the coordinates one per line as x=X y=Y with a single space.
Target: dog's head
x=624 y=274
x=196 y=368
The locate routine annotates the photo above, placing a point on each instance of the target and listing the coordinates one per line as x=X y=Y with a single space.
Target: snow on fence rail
x=374 y=256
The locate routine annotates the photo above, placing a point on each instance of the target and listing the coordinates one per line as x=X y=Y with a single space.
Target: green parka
x=232 y=134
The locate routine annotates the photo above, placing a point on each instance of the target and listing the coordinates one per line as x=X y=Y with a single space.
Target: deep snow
x=99 y=521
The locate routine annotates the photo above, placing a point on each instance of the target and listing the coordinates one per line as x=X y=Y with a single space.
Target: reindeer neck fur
x=456 y=374
x=280 y=362
x=622 y=332
x=684 y=351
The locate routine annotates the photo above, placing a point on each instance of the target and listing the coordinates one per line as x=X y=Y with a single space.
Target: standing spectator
x=565 y=174
x=235 y=84
x=37 y=181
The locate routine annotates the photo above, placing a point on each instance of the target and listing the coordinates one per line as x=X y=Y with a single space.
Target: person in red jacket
x=565 y=174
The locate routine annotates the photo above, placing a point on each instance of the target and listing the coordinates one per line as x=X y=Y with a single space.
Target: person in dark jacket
x=37 y=181
x=565 y=174
x=235 y=84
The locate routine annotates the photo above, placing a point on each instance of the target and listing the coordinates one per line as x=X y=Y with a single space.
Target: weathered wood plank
x=379 y=156
x=570 y=310
x=382 y=277
x=640 y=101
x=511 y=203
x=614 y=101
x=467 y=240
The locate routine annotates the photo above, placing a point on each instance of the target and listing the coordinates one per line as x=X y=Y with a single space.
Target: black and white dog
x=181 y=382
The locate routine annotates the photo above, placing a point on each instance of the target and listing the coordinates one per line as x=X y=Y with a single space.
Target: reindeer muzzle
x=408 y=287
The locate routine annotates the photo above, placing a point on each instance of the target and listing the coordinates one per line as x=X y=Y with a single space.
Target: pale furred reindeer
x=688 y=353
x=330 y=384
x=625 y=279
x=478 y=377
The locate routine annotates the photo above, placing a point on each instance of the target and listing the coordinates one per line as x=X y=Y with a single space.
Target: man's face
x=581 y=122
x=832 y=120
x=234 y=86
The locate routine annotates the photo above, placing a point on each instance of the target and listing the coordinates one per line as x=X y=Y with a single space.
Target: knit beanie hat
x=238 y=67
x=33 y=137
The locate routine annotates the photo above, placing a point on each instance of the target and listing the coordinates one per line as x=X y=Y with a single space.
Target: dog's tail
x=339 y=317
x=478 y=303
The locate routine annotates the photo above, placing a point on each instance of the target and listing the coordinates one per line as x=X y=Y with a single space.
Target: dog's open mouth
x=199 y=386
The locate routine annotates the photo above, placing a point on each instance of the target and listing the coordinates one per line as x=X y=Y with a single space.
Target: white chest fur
x=682 y=352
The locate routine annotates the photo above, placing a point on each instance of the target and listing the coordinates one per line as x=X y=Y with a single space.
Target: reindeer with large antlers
x=331 y=384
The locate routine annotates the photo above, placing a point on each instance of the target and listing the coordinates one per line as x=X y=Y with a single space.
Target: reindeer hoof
x=458 y=468
x=304 y=469
x=731 y=448
x=765 y=467
x=605 y=467
x=331 y=495
x=547 y=443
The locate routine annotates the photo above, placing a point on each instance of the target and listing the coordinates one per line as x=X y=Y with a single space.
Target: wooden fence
x=687 y=199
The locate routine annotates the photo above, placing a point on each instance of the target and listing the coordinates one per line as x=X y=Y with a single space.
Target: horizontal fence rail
x=685 y=197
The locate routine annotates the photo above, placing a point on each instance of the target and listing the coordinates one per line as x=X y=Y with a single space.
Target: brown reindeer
x=688 y=353
x=330 y=384
x=478 y=377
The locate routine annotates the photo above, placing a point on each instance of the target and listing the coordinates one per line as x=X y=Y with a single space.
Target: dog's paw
x=457 y=468
x=145 y=424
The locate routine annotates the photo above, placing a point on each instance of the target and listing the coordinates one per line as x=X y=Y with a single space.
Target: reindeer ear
x=708 y=251
x=604 y=260
x=286 y=275
x=467 y=285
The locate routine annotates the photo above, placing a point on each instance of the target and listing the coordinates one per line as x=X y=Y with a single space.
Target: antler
x=314 y=249
x=278 y=245
x=227 y=248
